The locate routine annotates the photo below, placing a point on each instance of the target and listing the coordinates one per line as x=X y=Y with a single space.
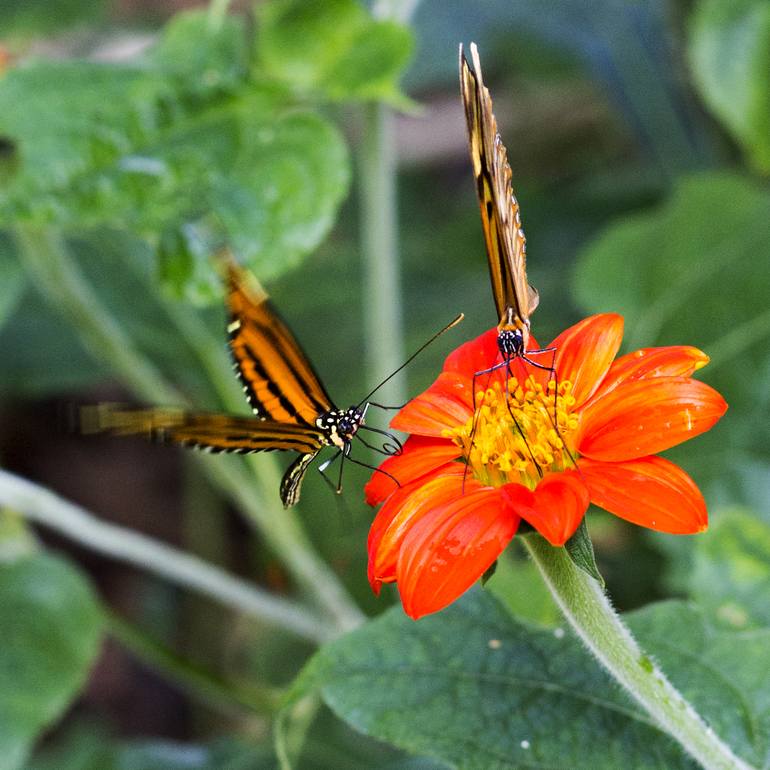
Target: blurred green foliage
x=23 y=19
x=236 y=127
x=52 y=629
x=729 y=48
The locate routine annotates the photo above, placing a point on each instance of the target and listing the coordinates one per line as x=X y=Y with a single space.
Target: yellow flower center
x=509 y=438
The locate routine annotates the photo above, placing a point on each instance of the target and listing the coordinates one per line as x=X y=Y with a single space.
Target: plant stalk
x=40 y=505
x=220 y=693
x=46 y=256
x=587 y=608
x=383 y=322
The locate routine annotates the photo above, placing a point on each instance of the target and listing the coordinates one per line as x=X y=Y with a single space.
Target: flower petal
x=475 y=355
x=651 y=492
x=446 y=552
x=556 y=507
x=421 y=455
x=447 y=403
x=643 y=417
x=671 y=361
x=405 y=506
x=584 y=353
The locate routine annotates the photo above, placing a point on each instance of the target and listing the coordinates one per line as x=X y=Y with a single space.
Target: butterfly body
x=292 y=410
x=339 y=427
x=515 y=299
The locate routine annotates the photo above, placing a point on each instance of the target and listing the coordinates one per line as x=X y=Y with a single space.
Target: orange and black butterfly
x=293 y=411
x=515 y=299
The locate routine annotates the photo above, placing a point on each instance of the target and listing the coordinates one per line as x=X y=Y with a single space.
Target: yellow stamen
x=505 y=442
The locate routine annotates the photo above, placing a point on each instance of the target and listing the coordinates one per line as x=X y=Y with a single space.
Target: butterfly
x=293 y=411
x=515 y=299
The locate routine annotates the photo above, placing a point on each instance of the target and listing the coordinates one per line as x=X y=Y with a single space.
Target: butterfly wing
x=500 y=215
x=205 y=430
x=277 y=377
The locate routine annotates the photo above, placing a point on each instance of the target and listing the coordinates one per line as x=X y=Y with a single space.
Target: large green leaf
x=333 y=47
x=187 y=151
x=729 y=51
x=476 y=688
x=731 y=575
x=694 y=271
x=51 y=625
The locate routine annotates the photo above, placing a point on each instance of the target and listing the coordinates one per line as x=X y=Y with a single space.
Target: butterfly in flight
x=515 y=299
x=293 y=411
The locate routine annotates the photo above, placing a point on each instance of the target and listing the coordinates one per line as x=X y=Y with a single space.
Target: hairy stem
x=588 y=610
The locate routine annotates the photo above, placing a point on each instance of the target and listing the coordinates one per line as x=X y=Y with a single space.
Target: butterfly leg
x=509 y=375
x=473 y=400
x=373 y=468
x=388 y=449
x=553 y=375
x=383 y=406
x=326 y=464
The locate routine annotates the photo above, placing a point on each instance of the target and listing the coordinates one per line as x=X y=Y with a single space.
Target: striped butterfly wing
x=210 y=431
x=500 y=215
x=279 y=381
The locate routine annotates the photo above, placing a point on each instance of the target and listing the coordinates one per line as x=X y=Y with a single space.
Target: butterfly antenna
x=414 y=355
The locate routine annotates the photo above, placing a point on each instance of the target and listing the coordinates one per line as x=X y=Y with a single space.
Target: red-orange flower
x=468 y=477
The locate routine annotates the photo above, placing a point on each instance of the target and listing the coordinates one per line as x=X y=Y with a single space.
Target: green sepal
x=581 y=550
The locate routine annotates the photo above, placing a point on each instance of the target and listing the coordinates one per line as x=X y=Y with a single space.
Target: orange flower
x=468 y=477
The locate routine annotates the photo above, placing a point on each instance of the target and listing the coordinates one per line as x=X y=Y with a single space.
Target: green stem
x=589 y=612
x=47 y=258
x=48 y=509
x=194 y=678
x=383 y=321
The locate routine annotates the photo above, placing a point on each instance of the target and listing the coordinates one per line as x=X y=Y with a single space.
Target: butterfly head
x=512 y=342
x=341 y=426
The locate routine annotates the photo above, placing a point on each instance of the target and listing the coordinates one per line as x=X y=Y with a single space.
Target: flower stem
x=382 y=275
x=48 y=509
x=225 y=695
x=46 y=256
x=588 y=610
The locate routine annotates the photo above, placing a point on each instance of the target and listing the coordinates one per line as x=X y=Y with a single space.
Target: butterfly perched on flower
x=293 y=411
x=515 y=299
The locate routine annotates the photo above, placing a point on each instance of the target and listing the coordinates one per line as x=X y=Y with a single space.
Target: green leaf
x=25 y=18
x=185 y=146
x=731 y=576
x=581 y=550
x=692 y=272
x=333 y=47
x=280 y=199
x=204 y=55
x=52 y=629
x=474 y=687
x=723 y=674
x=729 y=52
